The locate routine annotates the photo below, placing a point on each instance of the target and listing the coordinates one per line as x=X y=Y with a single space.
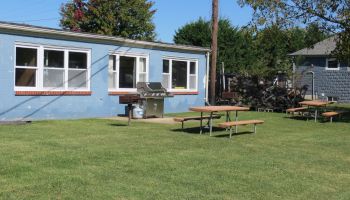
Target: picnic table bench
x=293 y=110
x=238 y=123
x=332 y=114
x=184 y=119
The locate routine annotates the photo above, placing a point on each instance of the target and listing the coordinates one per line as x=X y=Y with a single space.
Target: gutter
x=21 y=29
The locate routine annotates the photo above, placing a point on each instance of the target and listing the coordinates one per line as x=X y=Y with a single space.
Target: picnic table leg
x=129 y=113
x=201 y=122
x=210 y=123
x=228 y=118
x=315 y=114
x=254 y=128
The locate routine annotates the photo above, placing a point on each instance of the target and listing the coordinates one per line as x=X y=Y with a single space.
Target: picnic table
x=316 y=104
x=214 y=109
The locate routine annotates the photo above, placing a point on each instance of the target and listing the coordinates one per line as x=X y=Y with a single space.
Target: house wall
x=99 y=103
x=328 y=83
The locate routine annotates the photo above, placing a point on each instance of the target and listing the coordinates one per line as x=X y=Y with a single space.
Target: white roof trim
x=56 y=32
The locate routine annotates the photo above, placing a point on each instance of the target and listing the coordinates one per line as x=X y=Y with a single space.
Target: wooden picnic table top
x=218 y=108
x=315 y=103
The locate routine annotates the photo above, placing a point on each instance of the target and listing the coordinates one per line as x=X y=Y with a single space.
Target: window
x=125 y=70
x=53 y=69
x=43 y=68
x=332 y=64
x=166 y=74
x=26 y=69
x=180 y=74
x=334 y=99
x=78 y=70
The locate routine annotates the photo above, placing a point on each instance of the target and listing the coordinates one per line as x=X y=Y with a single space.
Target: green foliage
x=195 y=33
x=126 y=18
x=331 y=15
x=247 y=51
x=233 y=43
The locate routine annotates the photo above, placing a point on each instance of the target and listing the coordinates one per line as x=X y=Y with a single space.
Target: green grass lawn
x=105 y=159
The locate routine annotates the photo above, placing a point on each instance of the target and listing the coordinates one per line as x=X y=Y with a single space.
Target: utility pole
x=214 y=49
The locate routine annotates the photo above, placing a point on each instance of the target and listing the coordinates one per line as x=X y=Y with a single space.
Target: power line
x=37 y=20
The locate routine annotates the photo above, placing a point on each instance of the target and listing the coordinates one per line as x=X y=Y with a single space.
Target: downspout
x=207 y=78
x=313 y=83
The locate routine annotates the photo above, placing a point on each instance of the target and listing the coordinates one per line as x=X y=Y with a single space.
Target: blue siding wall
x=99 y=104
x=328 y=83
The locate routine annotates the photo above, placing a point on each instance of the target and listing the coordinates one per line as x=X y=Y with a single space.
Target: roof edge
x=58 y=32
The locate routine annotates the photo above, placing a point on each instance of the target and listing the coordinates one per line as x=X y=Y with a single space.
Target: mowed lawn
x=105 y=159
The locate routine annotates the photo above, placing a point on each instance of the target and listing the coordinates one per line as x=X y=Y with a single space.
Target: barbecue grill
x=150 y=95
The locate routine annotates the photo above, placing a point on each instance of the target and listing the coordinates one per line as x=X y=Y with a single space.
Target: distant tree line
x=249 y=51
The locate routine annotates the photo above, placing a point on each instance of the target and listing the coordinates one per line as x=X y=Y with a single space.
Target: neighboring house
x=325 y=77
x=53 y=74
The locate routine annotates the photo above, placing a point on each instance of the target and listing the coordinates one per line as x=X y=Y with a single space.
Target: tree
x=125 y=18
x=195 y=33
x=234 y=44
x=247 y=51
x=332 y=15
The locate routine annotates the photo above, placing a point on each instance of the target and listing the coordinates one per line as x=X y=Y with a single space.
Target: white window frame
x=170 y=74
x=137 y=57
x=37 y=73
x=40 y=67
x=332 y=59
x=332 y=97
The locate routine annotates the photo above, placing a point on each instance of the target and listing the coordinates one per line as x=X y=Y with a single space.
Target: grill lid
x=151 y=89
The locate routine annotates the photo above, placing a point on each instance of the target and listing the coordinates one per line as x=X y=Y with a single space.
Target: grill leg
x=230 y=131
x=236 y=129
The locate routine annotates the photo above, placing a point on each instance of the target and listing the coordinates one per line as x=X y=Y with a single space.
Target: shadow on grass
x=217 y=132
x=195 y=130
x=344 y=117
x=227 y=134
x=117 y=124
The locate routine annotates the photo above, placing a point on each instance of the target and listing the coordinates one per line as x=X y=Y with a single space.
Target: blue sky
x=170 y=15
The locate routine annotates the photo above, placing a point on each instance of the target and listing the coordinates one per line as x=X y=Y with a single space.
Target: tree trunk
x=214 y=49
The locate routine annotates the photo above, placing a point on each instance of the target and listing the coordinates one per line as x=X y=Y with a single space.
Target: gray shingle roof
x=322 y=48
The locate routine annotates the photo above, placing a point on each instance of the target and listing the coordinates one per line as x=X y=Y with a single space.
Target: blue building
x=325 y=77
x=54 y=74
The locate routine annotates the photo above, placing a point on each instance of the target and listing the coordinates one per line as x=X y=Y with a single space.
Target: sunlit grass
x=105 y=159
